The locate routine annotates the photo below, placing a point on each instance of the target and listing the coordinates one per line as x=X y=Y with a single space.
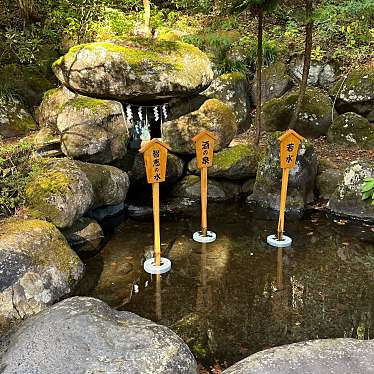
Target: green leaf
x=368 y=186
x=366 y=195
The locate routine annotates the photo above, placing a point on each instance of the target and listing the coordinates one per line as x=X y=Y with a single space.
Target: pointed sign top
x=151 y=143
x=204 y=133
x=288 y=133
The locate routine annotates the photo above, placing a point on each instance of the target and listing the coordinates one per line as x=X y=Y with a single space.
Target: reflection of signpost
x=155 y=159
x=289 y=146
x=204 y=144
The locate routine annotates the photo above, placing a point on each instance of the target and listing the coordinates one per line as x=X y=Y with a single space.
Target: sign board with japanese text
x=289 y=146
x=204 y=144
x=155 y=159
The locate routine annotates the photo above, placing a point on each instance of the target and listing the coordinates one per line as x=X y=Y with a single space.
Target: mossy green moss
x=94 y=105
x=214 y=108
x=235 y=76
x=230 y=156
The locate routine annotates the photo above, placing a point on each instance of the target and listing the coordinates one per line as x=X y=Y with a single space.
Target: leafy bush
x=368 y=190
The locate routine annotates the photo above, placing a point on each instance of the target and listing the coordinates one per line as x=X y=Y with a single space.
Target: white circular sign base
x=200 y=238
x=151 y=267
x=273 y=241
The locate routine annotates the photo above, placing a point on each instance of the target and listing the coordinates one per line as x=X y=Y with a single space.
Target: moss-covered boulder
x=347 y=200
x=213 y=115
x=15 y=120
x=133 y=164
x=352 y=129
x=93 y=130
x=232 y=89
x=218 y=190
x=267 y=188
x=37 y=268
x=26 y=81
x=237 y=162
x=135 y=69
x=85 y=235
x=275 y=82
x=314 y=119
x=66 y=189
x=355 y=92
x=328 y=178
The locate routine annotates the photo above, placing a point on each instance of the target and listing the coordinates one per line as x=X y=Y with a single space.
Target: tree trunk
x=307 y=59
x=260 y=17
x=147 y=16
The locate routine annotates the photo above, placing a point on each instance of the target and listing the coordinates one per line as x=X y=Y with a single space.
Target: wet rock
x=248 y=185
x=343 y=356
x=189 y=187
x=266 y=192
x=314 y=118
x=136 y=69
x=134 y=165
x=66 y=189
x=85 y=235
x=353 y=130
x=237 y=162
x=14 y=118
x=93 y=130
x=37 y=268
x=232 y=89
x=106 y=211
x=347 y=198
x=213 y=116
x=327 y=76
x=355 y=92
x=78 y=335
x=275 y=82
x=328 y=179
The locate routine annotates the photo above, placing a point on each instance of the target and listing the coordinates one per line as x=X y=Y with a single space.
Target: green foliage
x=368 y=190
x=17 y=166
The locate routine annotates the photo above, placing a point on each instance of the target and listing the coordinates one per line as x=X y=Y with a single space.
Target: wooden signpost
x=289 y=147
x=155 y=158
x=204 y=144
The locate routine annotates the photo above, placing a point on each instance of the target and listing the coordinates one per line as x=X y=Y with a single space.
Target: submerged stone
x=135 y=69
x=37 y=268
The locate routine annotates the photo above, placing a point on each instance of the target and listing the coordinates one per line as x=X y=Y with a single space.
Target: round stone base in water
x=151 y=267
x=200 y=238
x=273 y=241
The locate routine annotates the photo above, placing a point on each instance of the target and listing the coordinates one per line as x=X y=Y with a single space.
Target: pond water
x=237 y=296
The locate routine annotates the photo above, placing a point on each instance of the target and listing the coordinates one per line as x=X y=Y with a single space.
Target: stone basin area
x=237 y=296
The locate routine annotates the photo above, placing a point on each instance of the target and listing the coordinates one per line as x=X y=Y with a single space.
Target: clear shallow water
x=237 y=296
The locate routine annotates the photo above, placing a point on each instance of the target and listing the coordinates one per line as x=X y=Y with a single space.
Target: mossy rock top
x=352 y=129
x=314 y=118
x=135 y=69
x=356 y=87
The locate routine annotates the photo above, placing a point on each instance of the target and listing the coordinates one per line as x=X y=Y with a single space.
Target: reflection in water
x=237 y=296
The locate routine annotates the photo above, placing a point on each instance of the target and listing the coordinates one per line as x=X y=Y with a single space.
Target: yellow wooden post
x=289 y=146
x=155 y=159
x=204 y=144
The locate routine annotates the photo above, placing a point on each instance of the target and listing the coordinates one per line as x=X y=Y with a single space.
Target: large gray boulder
x=136 y=69
x=275 y=82
x=352 y=129
x=15 y=120
x=232 y=89
x=37 y=268
x=66 y=189
x=84 y=335
x=314 y=119
x=343 y=356
x=328 y=178
x=355 y=92
x=218 y=190
x=267 y=188
x=347 y=199
x=213 y=115
x=237 y=162
x=93 y=130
